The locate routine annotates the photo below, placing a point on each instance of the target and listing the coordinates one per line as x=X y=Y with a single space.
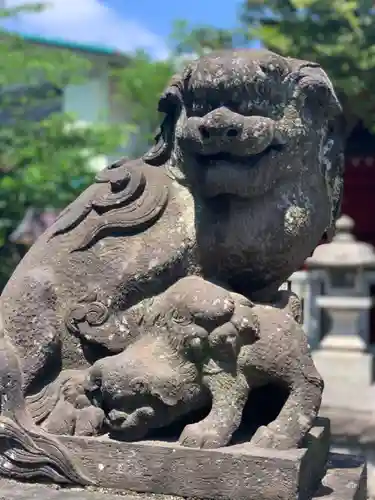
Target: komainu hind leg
x=298 y=413
x=33 y=327
x=291 y=360
x=26 y=451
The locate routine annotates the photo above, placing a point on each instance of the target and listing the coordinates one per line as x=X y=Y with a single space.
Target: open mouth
x=249 y=160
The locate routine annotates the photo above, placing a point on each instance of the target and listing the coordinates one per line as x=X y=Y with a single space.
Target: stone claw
x=265 y=437
x=89 y=421
x=203 y=435
x=117 y=419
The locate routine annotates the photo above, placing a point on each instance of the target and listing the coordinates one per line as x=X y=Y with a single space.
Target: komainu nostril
x=232 y=132
x=204 y=132
x=210 y=133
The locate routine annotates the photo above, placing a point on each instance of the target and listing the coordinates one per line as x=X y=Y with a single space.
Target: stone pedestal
x=345 y=479
x=341 y=359
x=347 y=331
x=353 y=432
x=348 y=379
x=233 y=472
x=164 y=469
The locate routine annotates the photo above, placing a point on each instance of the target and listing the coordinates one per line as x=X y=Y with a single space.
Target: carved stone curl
x=87 y=314
x=185 y=249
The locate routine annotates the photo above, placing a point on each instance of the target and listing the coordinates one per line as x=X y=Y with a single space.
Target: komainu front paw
x=62 y=419
x=204 y=435
x=89 y=421
x=265 y=437
x=67 y=420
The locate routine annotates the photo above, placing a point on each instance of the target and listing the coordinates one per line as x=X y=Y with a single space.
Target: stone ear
x=138 y=385
x=170 y=103
x=141 y=385
x=332 y=168
x=167 y=394
x=315 y=84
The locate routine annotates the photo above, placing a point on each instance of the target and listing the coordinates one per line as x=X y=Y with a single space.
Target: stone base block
x=345 y=479
x=236 y=472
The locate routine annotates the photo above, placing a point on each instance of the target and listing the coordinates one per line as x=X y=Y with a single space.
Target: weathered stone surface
x=345 y=479
x=233 y=472
x=353 y=432
x=155 y=293
x=12 y=490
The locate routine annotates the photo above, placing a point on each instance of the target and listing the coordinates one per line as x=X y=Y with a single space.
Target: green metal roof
x=82 y=47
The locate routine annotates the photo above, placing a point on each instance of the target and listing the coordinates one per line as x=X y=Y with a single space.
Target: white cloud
x=87 y=21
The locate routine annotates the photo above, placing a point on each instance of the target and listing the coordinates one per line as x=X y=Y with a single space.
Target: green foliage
x=42 y=163
x=338 y=34
x=198 y=40
x=7 y=12
x=46 y=163
x=26 y=63
x=140 y=84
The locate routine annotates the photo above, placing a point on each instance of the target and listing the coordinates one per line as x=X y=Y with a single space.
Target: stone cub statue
x=200 y=344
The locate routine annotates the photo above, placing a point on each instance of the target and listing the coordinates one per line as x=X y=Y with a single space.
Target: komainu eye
x=230 y=338
x=198 y=107
x=138 y=386
x=180 y=319
x=195 y=342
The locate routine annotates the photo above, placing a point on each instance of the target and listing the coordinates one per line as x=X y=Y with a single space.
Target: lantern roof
x=344 y=251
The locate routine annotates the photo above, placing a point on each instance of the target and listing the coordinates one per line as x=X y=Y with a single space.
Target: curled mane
x=121 y=201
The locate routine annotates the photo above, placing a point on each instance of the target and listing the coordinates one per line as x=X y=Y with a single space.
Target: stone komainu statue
x=156 y=291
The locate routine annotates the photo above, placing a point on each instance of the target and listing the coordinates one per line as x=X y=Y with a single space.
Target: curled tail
x=26 y=451
x=41 y=404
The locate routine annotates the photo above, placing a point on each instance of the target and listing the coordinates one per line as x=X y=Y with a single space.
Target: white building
x=92 y=101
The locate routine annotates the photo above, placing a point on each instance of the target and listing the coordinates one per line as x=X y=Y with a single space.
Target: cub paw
x=265 y=437
x=203 y=435
x=89 y=421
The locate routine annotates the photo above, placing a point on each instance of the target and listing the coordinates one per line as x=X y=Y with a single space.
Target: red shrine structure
x=359 y=192
x=359 y=184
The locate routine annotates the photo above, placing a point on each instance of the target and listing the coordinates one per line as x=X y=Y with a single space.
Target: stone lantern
x=342 y=356
x=343 y=265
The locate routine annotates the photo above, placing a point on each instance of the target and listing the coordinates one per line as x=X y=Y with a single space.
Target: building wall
x=94 y=101
x=118 y=115
x=89 y=101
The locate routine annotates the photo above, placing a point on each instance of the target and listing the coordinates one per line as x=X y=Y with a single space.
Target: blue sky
x=122 y=24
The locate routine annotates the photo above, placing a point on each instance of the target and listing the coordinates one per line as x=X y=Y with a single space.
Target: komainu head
x=242 y=122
